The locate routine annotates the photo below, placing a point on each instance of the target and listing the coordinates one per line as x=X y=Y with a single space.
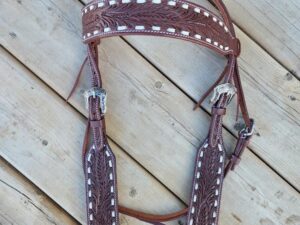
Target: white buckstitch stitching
x=149 y=31
x=195 y=198
x=198 y=36
x=171 y=30
x=197 y=10
x=208 y=40
x=186 y=33
x=139 y=27
x=201 y=154
x=111 y=188
x=156 y=1
x=100 y=4
x=121 y=28
x=185 y=6
x=171 y=3
x=155 y=27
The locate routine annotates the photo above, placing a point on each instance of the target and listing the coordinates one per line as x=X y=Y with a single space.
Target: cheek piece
x=175 y=19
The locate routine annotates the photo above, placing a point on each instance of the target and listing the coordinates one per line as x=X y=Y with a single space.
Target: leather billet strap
x=168 y=18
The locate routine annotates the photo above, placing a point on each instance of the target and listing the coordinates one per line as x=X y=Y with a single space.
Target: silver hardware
x=248 y=131
x=227 y=88
x=99 y=92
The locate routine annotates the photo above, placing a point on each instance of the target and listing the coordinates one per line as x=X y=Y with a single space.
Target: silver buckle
x=248 y=131
x=99 y=92
x=227 y=88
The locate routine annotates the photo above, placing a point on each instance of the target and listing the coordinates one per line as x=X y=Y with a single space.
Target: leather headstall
x=178 y=19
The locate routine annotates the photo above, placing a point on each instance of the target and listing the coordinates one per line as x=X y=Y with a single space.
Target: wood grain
x=274 y=25
x=23 y=204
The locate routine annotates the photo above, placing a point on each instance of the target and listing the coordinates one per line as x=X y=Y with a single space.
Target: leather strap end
x=85 y=142
x=234 y=161
x=243 y=141
x=77 y=79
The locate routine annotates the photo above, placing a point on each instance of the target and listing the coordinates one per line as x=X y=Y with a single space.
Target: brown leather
x=184 y=20
x=151 y=217
x=176 y=19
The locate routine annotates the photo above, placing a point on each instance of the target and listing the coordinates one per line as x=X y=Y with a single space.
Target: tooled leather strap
x=170 y=18
x=99 y=160
x=225 y=15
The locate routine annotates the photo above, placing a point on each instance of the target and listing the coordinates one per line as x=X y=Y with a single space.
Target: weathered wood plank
x=274 y=25
x=137 y=99
x=24 y=204
x=41 y=136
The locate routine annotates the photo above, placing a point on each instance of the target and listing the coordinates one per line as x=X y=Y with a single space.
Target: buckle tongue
x=99 y=92
x=227 y=88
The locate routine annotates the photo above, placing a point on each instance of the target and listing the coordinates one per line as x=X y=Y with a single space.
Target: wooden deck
x=153 y=84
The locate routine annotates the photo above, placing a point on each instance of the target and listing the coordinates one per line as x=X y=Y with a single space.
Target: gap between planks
x=48 y=202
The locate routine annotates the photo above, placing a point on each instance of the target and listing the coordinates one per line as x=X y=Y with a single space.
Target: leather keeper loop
x=96 y=124
x=218 y=111
x=236 y=45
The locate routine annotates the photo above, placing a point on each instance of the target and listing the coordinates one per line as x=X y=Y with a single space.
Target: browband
x=169 y=18
x=176 y=19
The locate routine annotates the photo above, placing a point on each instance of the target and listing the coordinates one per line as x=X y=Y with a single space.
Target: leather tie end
x=234 y=161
